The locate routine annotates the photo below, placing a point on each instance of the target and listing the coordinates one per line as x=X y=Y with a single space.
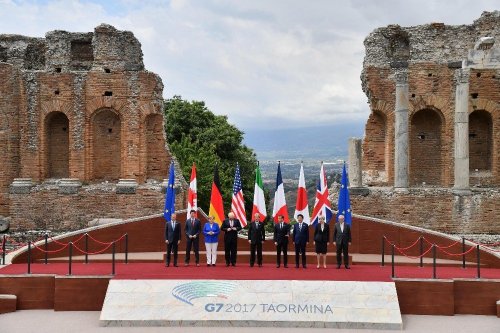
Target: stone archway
x=57 y=145
x=106 y=145
x=426 y=156
x=480 y=141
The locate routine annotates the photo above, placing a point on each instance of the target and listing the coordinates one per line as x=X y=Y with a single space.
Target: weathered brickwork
x=436 y=59
x=80 y=105
x=436 y=209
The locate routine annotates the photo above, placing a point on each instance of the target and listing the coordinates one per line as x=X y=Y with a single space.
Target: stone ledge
x=21 y=186
x=8 y=303
x=126 y=186
x=69 y=186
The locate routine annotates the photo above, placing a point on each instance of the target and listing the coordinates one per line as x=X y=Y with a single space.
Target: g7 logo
x=211 y=307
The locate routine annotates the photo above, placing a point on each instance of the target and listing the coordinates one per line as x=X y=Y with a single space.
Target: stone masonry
x=430 y=151
x=81 y=128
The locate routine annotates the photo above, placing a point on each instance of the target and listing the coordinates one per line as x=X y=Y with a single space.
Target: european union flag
x=344 y=201
x=170 y=195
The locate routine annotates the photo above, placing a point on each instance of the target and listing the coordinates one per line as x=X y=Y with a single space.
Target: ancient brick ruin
x=430 y=152
x=81 y=128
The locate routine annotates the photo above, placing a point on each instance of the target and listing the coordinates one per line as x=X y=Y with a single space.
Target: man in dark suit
x=300 y=239
x=256 y=237
x=192 y=230
x=342 y=239
x=231 y=226
x=172 y=238
x=281 y=235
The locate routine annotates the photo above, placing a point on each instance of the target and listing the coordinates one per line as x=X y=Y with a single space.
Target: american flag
x=237 y=203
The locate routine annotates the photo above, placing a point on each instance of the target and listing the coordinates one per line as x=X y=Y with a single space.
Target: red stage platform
x=244 y=272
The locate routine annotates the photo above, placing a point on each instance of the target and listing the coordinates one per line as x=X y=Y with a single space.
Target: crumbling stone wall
x=79 y=106
x=432 y=56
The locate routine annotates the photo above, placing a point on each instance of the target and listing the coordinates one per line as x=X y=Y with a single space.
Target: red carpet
x=244 y=272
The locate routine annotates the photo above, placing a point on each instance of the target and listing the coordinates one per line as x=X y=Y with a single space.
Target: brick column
x=401 y=132
x=461 y=151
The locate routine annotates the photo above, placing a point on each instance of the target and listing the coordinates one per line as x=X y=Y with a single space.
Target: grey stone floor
x=41 y=321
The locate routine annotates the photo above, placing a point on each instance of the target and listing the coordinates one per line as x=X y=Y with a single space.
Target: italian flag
x=259 y=203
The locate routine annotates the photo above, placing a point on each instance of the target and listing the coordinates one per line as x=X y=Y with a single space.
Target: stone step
x=8 y=303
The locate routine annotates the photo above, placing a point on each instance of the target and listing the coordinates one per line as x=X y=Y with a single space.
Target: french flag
x=279 y=207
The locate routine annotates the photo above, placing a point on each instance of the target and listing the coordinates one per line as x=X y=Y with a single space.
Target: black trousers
x=300 y=249
x=230 y=250
x=282 y=247
x=343 y=248
x=172 y=247
x=256 y=247
x=195 y=244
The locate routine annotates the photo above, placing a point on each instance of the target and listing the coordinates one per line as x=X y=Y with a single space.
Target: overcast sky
x=264 y=63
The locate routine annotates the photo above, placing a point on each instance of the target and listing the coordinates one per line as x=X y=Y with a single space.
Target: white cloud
x=260 y=62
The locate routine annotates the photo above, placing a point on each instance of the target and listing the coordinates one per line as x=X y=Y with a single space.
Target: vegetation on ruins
x=196 y=134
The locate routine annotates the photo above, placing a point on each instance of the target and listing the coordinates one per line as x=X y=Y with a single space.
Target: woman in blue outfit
x=211 y=231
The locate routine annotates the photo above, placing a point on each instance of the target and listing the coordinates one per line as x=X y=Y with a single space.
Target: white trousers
x=211 y=253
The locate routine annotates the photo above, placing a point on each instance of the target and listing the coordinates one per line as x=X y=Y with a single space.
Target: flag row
x=322 y=205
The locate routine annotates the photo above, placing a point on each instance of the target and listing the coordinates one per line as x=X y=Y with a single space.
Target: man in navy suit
x=342 y=239
x=300 y=239
x=172 y=238
x=192 y=230
x=281 y=235
x=256 y=237
x=231 y=226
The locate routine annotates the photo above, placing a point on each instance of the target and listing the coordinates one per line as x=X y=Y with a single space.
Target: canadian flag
x=302 y=207
x=279 y=207
x=192 y=203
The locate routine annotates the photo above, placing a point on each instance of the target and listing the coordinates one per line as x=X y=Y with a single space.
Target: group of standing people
x=256 y=237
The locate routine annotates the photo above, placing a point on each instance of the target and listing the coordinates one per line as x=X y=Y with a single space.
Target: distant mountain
x=307 y=143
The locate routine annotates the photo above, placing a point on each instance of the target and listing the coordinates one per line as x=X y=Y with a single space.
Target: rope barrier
x=51 y=251
x=92 y=253
x=106 y=243
x=414 y=257
x=404 y=248
x=442 y=247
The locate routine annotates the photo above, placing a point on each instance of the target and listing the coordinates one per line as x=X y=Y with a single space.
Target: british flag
x=322 y=205
x=237 y=202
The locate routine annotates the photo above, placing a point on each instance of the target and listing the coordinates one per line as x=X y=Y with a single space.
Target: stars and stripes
x=237 y=202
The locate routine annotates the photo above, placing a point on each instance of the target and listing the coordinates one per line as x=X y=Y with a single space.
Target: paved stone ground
x=41 y=321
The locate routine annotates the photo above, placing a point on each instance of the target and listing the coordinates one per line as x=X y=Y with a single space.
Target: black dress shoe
x=338 y=266
x=260 y=265
x=251 y=265
x=286 y=266
x=233 y=265
x=208 y=265
x=347 y=267
x=213 y=265
x=167 y=265
x=304 y=266
x=175 y=265
x=227 y=265
x=277 y=266
x=296 y=266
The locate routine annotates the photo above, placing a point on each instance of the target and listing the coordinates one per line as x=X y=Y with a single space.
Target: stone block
x=8 y=303
x=69 y=186
x=126 y=186
x=21 y=186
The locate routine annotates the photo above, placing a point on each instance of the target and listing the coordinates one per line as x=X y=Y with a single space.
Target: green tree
x=196 y=135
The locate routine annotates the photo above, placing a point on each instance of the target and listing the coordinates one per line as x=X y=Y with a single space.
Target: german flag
x=216 y=205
